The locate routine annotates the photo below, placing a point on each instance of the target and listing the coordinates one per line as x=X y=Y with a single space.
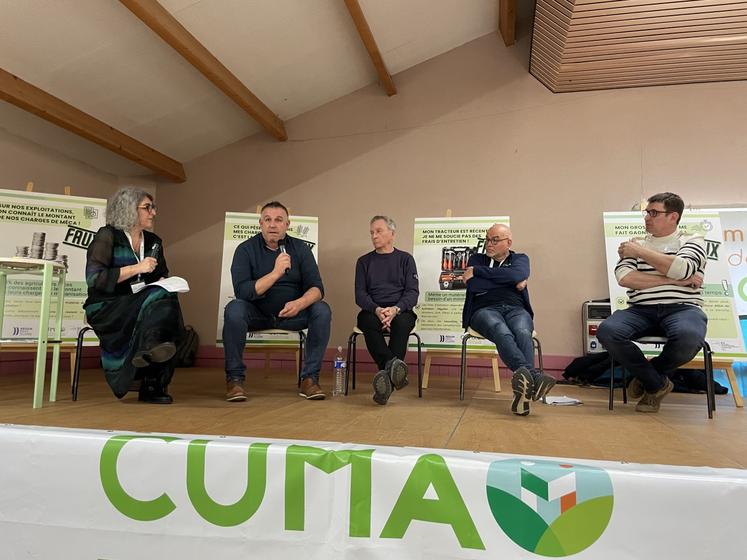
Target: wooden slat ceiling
x=580 y=45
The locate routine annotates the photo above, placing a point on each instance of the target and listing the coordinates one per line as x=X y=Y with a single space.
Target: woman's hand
x=147 y=265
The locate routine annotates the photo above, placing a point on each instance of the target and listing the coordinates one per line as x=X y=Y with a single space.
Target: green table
x=49 y=271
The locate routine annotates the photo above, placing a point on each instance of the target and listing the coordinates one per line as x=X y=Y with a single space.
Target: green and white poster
x=240 y=226
x=724 y=334
x=734 y=225
x=50 y=227
x=441 y=248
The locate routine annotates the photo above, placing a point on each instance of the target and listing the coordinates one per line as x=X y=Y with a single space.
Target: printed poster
x=441 y=248
x=734 y=225
x=51 y=227
x=240 y=226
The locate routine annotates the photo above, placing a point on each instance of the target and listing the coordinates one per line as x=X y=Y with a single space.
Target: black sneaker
x=382 y=386
x=397 y=370
x=523 y=388
x=542 y=385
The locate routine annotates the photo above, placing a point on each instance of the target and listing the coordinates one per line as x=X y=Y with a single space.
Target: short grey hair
x=121 y=208
x=389 y=222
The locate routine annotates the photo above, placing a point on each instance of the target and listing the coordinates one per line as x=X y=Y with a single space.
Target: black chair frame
x=463 y=365
x=707 y=365
x=353 y=362
x=301 y=346
x=78 y=355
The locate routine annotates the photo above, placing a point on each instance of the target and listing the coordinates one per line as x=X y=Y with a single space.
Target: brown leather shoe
x=635 y=389
x=311 y=390
x=235 y=391
x=650 y=402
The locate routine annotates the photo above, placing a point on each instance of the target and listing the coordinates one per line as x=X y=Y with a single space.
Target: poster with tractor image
x=442 y=248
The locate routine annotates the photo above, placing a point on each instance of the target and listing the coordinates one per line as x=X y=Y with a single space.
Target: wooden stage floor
x=680 y=434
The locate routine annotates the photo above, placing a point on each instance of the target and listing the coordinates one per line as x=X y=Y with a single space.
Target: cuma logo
x=549 y=508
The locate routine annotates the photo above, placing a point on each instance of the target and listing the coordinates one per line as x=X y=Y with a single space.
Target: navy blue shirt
x=490 y=280
x=253 y=259
x=498 y=296
x=386 y=279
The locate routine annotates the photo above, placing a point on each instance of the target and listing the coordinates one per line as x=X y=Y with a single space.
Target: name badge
x=137 y=286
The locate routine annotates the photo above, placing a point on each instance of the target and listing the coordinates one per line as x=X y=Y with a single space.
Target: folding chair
x=352 y=361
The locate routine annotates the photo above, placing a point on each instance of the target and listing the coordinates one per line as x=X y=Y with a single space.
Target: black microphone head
x=281 y=246
x=155 y=250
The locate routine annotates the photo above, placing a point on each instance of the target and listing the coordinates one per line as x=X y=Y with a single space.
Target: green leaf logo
x=550 y=508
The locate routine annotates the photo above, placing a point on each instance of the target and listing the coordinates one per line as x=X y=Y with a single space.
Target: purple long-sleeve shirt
x=386 y=279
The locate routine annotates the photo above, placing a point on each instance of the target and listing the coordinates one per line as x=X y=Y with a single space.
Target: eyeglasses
x=148 y=207
x=654 y=213
x=494 y=240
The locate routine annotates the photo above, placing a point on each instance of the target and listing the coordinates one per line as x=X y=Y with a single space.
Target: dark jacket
x=109 y=251
x=253 y=260
x=514 y=269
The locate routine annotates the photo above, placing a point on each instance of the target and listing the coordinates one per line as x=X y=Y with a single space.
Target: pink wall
x=22 y=161
x=469 y=131
x=473 y=132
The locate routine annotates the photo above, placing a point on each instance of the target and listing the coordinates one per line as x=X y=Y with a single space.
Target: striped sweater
x=690 y=259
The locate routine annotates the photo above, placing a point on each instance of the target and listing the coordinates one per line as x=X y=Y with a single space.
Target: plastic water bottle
x=340 y=368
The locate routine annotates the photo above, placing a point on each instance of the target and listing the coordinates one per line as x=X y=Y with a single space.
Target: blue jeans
x=510 y=328
x=242 y=316
x=683 y=325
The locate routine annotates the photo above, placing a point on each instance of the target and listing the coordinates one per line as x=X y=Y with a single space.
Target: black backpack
x=594 y=369
x=586 y=369
x=187 y=348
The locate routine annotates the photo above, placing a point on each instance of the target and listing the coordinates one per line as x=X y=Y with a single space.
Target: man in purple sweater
x=386 y=290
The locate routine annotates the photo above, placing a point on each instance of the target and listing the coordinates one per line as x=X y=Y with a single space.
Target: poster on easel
x=724 y=333
x=240 y=226
x=50 y=227
x=441 y=249
x=734 y=226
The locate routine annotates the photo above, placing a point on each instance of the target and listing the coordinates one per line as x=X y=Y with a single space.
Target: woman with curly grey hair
x=138 y=328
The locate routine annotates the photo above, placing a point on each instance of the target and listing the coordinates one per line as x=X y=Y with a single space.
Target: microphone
x=155 y=250
x=281 y=246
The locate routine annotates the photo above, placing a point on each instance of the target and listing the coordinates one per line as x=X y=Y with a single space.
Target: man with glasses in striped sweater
x=664 y=276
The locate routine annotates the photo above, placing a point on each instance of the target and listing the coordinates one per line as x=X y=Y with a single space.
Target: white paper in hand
x=170 y=284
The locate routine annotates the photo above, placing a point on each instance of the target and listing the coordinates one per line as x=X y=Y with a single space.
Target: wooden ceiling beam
x=507 y=21
x=155 y=16
x=370 y=43
x=30 y=98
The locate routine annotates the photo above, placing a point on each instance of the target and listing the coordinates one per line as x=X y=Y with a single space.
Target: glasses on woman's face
x=149 y=207
x=654 y=213
x=494 y=240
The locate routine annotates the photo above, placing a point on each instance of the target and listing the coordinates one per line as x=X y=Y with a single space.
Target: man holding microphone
x=277 y=285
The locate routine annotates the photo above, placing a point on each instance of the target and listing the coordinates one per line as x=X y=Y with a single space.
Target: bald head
x=500 y=230
x=498 y=241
